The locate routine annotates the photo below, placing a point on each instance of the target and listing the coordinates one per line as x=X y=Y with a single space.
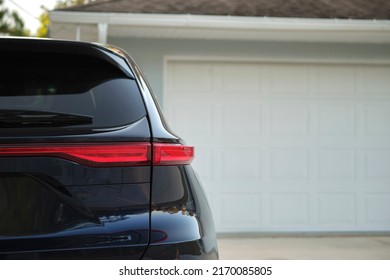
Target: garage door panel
x=288 y=80
x=377 y=209
x=194 y=79
x=310 y=143
x=288 y=164
x=288 y=210
x=337 y=210
x=204 y=163
x=240 y=119
x=337 y=119
x=377 y=118
x=289 y=118
x=238 y=79
x=377 y=165
x=234 y=215
x=374 y=81
x=240 y=166
x=337 y=165
x=199 y=119
x=335 y=80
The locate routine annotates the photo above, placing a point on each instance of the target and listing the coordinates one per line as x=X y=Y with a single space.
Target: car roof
x=55 y=45
x=106 y=52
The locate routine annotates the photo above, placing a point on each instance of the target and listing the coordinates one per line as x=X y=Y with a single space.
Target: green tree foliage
x=43 y=30
x=11 y=23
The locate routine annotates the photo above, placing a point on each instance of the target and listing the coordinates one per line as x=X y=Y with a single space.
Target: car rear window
x=68 y=84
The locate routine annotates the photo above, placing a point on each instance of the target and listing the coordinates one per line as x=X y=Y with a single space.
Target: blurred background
x=287 y=103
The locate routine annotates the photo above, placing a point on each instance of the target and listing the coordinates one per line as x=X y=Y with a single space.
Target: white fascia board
x=233 y=23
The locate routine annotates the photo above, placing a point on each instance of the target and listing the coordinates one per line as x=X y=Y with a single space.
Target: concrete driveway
x=304 y=247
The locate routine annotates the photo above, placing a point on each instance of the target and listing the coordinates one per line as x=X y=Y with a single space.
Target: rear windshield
x=66 y=85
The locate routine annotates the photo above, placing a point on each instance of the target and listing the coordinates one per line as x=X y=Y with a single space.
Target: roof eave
x=232 y=27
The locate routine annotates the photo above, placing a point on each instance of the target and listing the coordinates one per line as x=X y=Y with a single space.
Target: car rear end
x=88 y=169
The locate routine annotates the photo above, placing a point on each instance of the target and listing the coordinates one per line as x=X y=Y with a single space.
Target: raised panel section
x=288 y=164
x=242 y=119
x=335 y=119
x=336 y=164
x=288 y=209
x=376 y=118
x=377 y=165
x=374 y=80
x=204 y=163
x=337 y=209
x=239 y=78
x=240 y=165
x=240 y=210
x=198 y=120
x=289 y=119
x=377 y=209
x=194 y=77
x=335 y=80
x=289 y=80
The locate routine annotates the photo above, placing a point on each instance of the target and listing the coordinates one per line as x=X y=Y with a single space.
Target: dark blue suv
x=88 y=167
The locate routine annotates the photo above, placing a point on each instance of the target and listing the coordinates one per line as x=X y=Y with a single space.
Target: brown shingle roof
x=343 y=9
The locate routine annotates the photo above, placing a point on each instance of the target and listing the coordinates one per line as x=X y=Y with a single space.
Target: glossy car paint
x=54 y=208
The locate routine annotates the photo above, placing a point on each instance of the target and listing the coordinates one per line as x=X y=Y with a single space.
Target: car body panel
x=56 y=208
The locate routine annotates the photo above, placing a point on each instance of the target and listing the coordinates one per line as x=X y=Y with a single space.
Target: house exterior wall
x=150 y=54
x=342 y=115
x=313 y=155
x=73 y=31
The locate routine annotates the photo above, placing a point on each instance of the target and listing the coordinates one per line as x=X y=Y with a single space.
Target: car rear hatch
x=75 y=154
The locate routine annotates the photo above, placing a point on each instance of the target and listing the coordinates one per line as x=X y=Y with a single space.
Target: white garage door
x=286 y=146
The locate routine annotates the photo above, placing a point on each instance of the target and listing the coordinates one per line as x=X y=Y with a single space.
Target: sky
x=30 y=10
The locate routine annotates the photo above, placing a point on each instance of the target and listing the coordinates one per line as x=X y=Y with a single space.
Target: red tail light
x=172 y=154
x=94 y=155
x=107 y=154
